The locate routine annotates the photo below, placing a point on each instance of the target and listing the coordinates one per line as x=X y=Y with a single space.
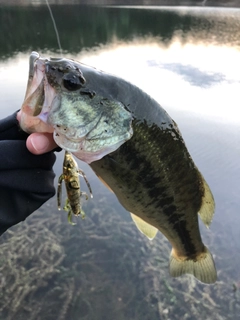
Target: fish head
x=58 y=100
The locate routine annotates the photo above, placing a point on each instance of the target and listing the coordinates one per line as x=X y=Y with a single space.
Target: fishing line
x=55 y=27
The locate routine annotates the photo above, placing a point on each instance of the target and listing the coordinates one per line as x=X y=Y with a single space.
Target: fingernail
x=40 y=143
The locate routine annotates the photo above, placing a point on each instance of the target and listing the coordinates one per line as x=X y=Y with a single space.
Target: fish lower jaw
x=69 y=144
x=85 y=147
x=76 y=147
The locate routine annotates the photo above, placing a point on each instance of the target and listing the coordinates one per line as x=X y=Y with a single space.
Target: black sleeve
x=26 y=180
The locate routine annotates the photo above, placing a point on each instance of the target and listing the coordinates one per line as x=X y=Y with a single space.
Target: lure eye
x=71 y=82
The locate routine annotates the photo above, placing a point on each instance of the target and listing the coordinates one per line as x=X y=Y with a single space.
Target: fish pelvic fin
x=203 y=267
x=208 y=205
x=148 y=230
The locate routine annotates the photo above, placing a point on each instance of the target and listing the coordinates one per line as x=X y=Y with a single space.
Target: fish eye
x=71 y=82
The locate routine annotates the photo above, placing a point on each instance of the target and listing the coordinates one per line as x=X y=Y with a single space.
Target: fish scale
x=164 y=201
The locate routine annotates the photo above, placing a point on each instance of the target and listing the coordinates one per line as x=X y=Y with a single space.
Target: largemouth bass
x=133 y=146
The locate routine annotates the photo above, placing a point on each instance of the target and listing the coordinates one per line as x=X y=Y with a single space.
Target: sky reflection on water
x=200 y=79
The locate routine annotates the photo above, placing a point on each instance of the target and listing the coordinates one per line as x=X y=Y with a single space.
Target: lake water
x=188 y=60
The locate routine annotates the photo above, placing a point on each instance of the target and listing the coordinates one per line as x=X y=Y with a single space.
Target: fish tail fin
x=203 y=267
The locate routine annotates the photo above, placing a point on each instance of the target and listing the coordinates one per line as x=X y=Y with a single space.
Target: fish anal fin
x=203 y=268
x=208 y=206
x=148 y=230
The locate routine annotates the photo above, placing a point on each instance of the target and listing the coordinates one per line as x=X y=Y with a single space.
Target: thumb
x=39 y=143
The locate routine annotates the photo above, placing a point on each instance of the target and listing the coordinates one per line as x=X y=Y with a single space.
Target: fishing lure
x=70 y=175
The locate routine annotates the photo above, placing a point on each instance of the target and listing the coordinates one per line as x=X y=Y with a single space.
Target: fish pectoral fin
x=105 y=183
x=208 y=205
x=203 y=268
x=148 y=230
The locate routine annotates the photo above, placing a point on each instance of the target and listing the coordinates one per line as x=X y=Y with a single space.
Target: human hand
x=26 y=179
x=39 y=143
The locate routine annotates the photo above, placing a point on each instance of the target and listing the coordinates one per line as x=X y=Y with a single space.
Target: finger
x=38 y=143
x=19 y=116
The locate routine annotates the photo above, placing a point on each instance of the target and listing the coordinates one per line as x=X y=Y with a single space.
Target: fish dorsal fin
x=144 y=227
x=208 y=205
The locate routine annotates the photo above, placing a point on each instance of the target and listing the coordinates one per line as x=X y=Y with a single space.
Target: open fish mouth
x=38 y=98
x=60 y=99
